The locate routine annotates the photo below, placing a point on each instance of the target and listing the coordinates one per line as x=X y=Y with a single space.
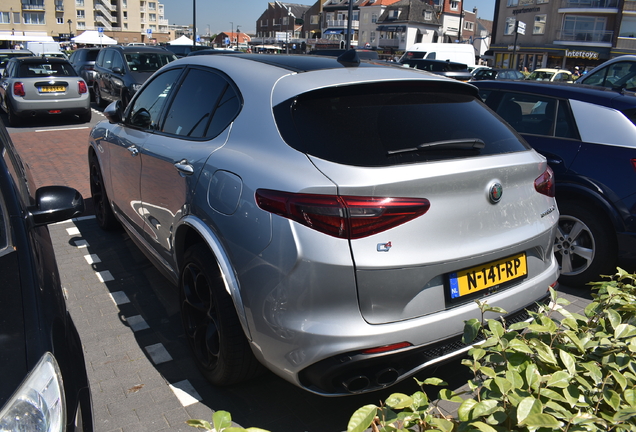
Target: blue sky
x=220 y=14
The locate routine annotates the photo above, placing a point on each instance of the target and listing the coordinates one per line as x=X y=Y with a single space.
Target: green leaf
x=431 y=381
x=495 y=309
x=420 y=399
x=471 y=330
x=465 y=409
x=612 y=398
x=496 y=328
x=518 y=326
x=630 y=397
x=485 y=408
x=560 y=379
x=399 y=401
x=624 y=331
x=503 y=384
x=483 y=427
x=594 y=371
x=250 y=429
x=571 y=394
x=532 y=375
x=551 y=394
x=221 y=420
x=520 y=346
x=442 y=424
x=477 y=353
x=201 y=424
x=489 y=372
x=544 y=352
x=449 y=395
x=613 y=317
x=362 y=418
x=624 y=414
x=536 y=421
x=528 y=406
x=515 y=378
x=575 y=340
x=619 y=378
x=568 y=360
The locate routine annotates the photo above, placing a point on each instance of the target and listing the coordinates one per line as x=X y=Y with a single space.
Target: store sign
x=589 y=55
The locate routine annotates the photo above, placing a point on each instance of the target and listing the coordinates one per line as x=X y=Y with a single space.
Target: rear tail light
x=544 y=184
x=88 y=67
x=82 y=87
x=18 y=89
x=387 y=348
x=346 y=217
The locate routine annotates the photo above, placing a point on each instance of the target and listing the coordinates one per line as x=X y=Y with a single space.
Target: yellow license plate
x=52 y=89
x=478 y=278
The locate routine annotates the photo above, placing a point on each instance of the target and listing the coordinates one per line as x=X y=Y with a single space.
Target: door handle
x=184 y=167
x=133 y=150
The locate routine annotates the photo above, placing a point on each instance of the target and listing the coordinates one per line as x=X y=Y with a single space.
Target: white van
x=455 y=52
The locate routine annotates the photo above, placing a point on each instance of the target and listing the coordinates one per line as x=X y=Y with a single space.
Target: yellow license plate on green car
x=489 y=275
x=52 y=89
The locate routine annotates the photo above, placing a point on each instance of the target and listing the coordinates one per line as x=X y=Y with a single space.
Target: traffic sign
x=149 y=31
x=521 y=27
x=100 y=29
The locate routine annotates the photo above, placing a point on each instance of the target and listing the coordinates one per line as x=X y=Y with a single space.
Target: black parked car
x=121 y=70
x=43 y=380
x=587 y=135
x=183 y=50
x=458 y=71
x=497 y=74
x=83 y=61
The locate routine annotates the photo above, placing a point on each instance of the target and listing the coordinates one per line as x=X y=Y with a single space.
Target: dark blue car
x=588 y=136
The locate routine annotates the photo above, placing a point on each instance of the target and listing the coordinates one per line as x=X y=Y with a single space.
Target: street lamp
x=231 y=33
x=237 y=37
x=70 y=34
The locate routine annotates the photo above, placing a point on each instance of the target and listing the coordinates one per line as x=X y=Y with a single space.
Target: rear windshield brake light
x=348 y=217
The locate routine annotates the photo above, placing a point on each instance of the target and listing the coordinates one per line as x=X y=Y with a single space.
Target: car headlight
x=38 y=405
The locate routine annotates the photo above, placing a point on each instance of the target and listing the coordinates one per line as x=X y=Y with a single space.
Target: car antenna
x=349 y=58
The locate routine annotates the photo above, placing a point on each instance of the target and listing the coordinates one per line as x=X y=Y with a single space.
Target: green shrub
x=563 y=371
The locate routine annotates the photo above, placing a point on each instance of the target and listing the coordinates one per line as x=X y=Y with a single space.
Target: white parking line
x=104 y=276
x=73 y=231
x=92 y=259
x=158 y=353
x=137 y=323
x=119 y=297
x=186 y=394
x=62 y=129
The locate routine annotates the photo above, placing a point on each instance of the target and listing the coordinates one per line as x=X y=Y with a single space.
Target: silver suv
x=329 y=219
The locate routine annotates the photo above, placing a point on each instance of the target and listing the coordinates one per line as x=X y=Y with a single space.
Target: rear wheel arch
x=191 y=232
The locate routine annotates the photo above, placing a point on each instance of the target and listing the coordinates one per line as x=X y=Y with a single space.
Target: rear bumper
x=26 y=108
x=358 y=372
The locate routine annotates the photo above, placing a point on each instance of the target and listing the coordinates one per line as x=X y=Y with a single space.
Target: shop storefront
x=560 y=57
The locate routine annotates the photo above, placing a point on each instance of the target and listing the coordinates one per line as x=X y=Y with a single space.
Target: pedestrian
x=576 y=72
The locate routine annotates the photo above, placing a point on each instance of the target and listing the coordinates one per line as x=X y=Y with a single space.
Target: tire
x=85 y=117
x=103 y=212
x=212 y=328
x=585 y=245
x=98 y=97
x=14 y=120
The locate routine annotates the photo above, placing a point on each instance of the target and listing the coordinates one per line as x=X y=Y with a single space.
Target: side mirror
x=114 y=112
x=141 y=119
x=55 y=204
x=118 y=70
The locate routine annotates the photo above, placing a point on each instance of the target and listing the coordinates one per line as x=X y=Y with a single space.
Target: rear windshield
x=386 y=124
x=36 y=69
x=148 y=62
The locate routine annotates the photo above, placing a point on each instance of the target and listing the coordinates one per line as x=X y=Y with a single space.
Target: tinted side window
x=146 y=109
x=108 y=59
x=216 y=104
x=537 y=115
x=385 y=125
x=117 y=61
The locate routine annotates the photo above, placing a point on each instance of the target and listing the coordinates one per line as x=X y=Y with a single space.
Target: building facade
x=562 y=33
x=281 y=25
x=126 y=21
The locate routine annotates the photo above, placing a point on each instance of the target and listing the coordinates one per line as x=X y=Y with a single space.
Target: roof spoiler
x=349 y=58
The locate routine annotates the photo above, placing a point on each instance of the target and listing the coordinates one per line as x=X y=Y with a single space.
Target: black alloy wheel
x=14 y=120
x=212 y=328
x=103 y=212
x=98 y=97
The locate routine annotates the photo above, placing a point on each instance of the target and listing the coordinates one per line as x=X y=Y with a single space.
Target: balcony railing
x=59 y=8
x=342 y=24
x=626 y=43
x=599 y=36
x=629 y=5
x=32 y=6
x=590 y=4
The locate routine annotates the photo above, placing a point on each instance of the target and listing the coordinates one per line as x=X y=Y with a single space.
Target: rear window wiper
x=460 y=144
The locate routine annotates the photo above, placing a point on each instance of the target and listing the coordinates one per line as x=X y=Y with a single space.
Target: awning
x=391 y=28
x=25 y=38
